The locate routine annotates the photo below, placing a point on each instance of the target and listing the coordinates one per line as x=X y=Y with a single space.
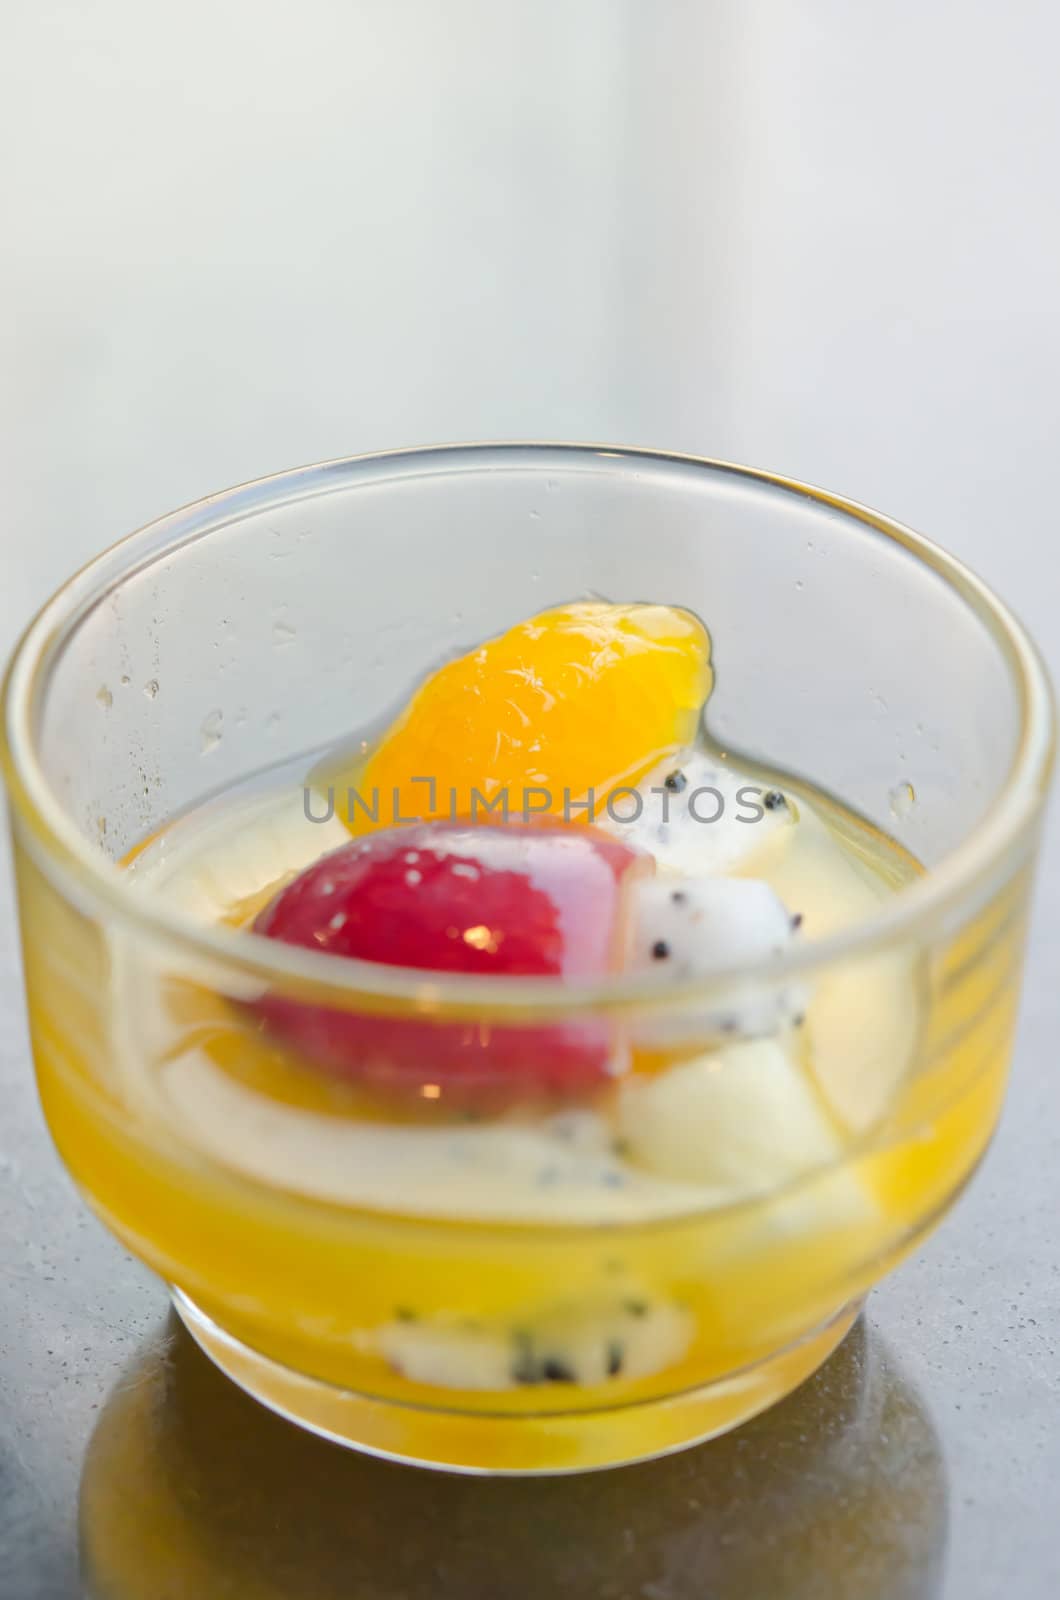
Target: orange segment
x=584 y=697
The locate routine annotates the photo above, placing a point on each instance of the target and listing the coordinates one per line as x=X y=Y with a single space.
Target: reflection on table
x=191 y=1491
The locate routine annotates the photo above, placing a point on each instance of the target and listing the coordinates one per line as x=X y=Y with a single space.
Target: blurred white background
x=819 y=236
x=815 y=235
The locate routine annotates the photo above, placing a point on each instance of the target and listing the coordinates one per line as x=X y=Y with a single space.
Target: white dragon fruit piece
x=697 y=815
x=694 y=927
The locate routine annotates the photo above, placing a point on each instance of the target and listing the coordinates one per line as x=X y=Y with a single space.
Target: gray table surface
x=816 y=236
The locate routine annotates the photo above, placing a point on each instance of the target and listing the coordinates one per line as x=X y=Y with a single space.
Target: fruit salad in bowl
x=501 y=1083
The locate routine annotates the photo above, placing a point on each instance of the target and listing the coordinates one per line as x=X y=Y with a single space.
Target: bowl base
x=582 y=1441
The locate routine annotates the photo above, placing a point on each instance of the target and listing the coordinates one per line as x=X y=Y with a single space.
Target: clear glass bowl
x=270 y=621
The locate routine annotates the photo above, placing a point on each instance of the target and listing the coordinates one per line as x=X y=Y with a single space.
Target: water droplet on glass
x=104 y=697
x=799 y=584
x=551 y=485
x=903 y=799
x=210 y=731
x=151 y=688
x=125 y=680
x=534 y=515
x=101 y=828
x=282 y=632
x=272 y=722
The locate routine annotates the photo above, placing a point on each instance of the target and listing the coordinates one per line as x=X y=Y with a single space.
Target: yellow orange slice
x=583 y=697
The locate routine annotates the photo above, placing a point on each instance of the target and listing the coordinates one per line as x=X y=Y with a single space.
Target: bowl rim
x=1004 y=837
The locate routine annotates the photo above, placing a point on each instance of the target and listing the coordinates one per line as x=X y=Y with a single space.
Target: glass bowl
x=262 y=626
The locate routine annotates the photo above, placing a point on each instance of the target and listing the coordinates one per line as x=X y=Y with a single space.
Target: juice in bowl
x=521 y=938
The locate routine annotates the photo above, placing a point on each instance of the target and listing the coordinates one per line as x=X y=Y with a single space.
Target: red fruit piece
x=444 y=897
